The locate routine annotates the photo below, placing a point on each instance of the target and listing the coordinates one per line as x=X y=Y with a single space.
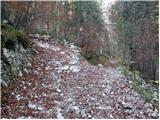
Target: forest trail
x=61 y=84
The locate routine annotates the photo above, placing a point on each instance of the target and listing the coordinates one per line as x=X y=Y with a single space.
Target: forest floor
x=61 y=84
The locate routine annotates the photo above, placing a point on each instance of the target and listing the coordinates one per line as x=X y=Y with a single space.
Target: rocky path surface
x=60 y=84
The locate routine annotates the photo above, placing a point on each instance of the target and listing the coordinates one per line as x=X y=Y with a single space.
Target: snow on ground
x=61 y=85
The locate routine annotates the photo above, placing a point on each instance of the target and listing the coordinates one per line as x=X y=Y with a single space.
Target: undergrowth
x=137 y=83
x=95 y=59
x=10 y=36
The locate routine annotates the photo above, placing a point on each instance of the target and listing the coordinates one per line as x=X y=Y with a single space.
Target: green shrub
x=44 y=33
x=95 y=59
x=10 y=36
x=23 y=39
x=137 y=83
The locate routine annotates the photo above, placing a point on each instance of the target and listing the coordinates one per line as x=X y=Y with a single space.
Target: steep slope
x=61 y=84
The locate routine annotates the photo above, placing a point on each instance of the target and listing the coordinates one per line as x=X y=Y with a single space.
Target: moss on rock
x=10 y=36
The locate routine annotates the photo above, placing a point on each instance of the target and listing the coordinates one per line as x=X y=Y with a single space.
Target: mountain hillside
x=60 y=83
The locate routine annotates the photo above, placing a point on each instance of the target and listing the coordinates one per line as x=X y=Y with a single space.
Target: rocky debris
x=13 y=62
x=20 y=74
x=155 y=114
x=100 y=65
x=127 y=105
x=18 y=97
x=61 y=85
x=32 y=106
x=59 y=114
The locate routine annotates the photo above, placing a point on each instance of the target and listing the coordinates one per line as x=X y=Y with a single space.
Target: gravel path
x=60 y=84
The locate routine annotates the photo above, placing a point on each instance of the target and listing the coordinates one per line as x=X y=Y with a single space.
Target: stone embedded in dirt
x=20 y=74
x=18 y=97
x=100 y=65
x=22 y=117
x=76 y=109
x=32 y=106
x=37 y=36
x=129 y=81
x=89 y=116
x=47 y=68
x=25 y=70
x=127 y=105
x=62 y=52
x=58 y=90
x=112 y=93
x=59 y=114
x=63 y=68
x=40 y=108
x=154 y=114
x=148 y=105
x=6 y=53
x=75 y=68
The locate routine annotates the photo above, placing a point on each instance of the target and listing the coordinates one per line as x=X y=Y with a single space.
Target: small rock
x=73 y=102
x=111 y=116
x=18 y=97
x=127 y=105
x=154 y=114
x=129 y=81
x=103 y=94
x=31 y=105
x=148 y=105
x=25 y=70
x=100 y=65
x=112 y=93
x=92 y=99
x=29 y=64
x=62 y=52
x=5 y=21
x=89 y=116
x=69 y=100
x=22 y=117
x=58 y=90
x=37 y=36
x=75 y=68
x=103 y=86
x=47 y=68
x=76 y=109
x=83 y=114
x=40 y=108
x=59 y=114
x=5 y=53
x=20 y=74
x=29 y=84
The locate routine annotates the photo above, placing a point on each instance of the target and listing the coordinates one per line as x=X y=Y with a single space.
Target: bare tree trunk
x=65 y=20
x=78 y=22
